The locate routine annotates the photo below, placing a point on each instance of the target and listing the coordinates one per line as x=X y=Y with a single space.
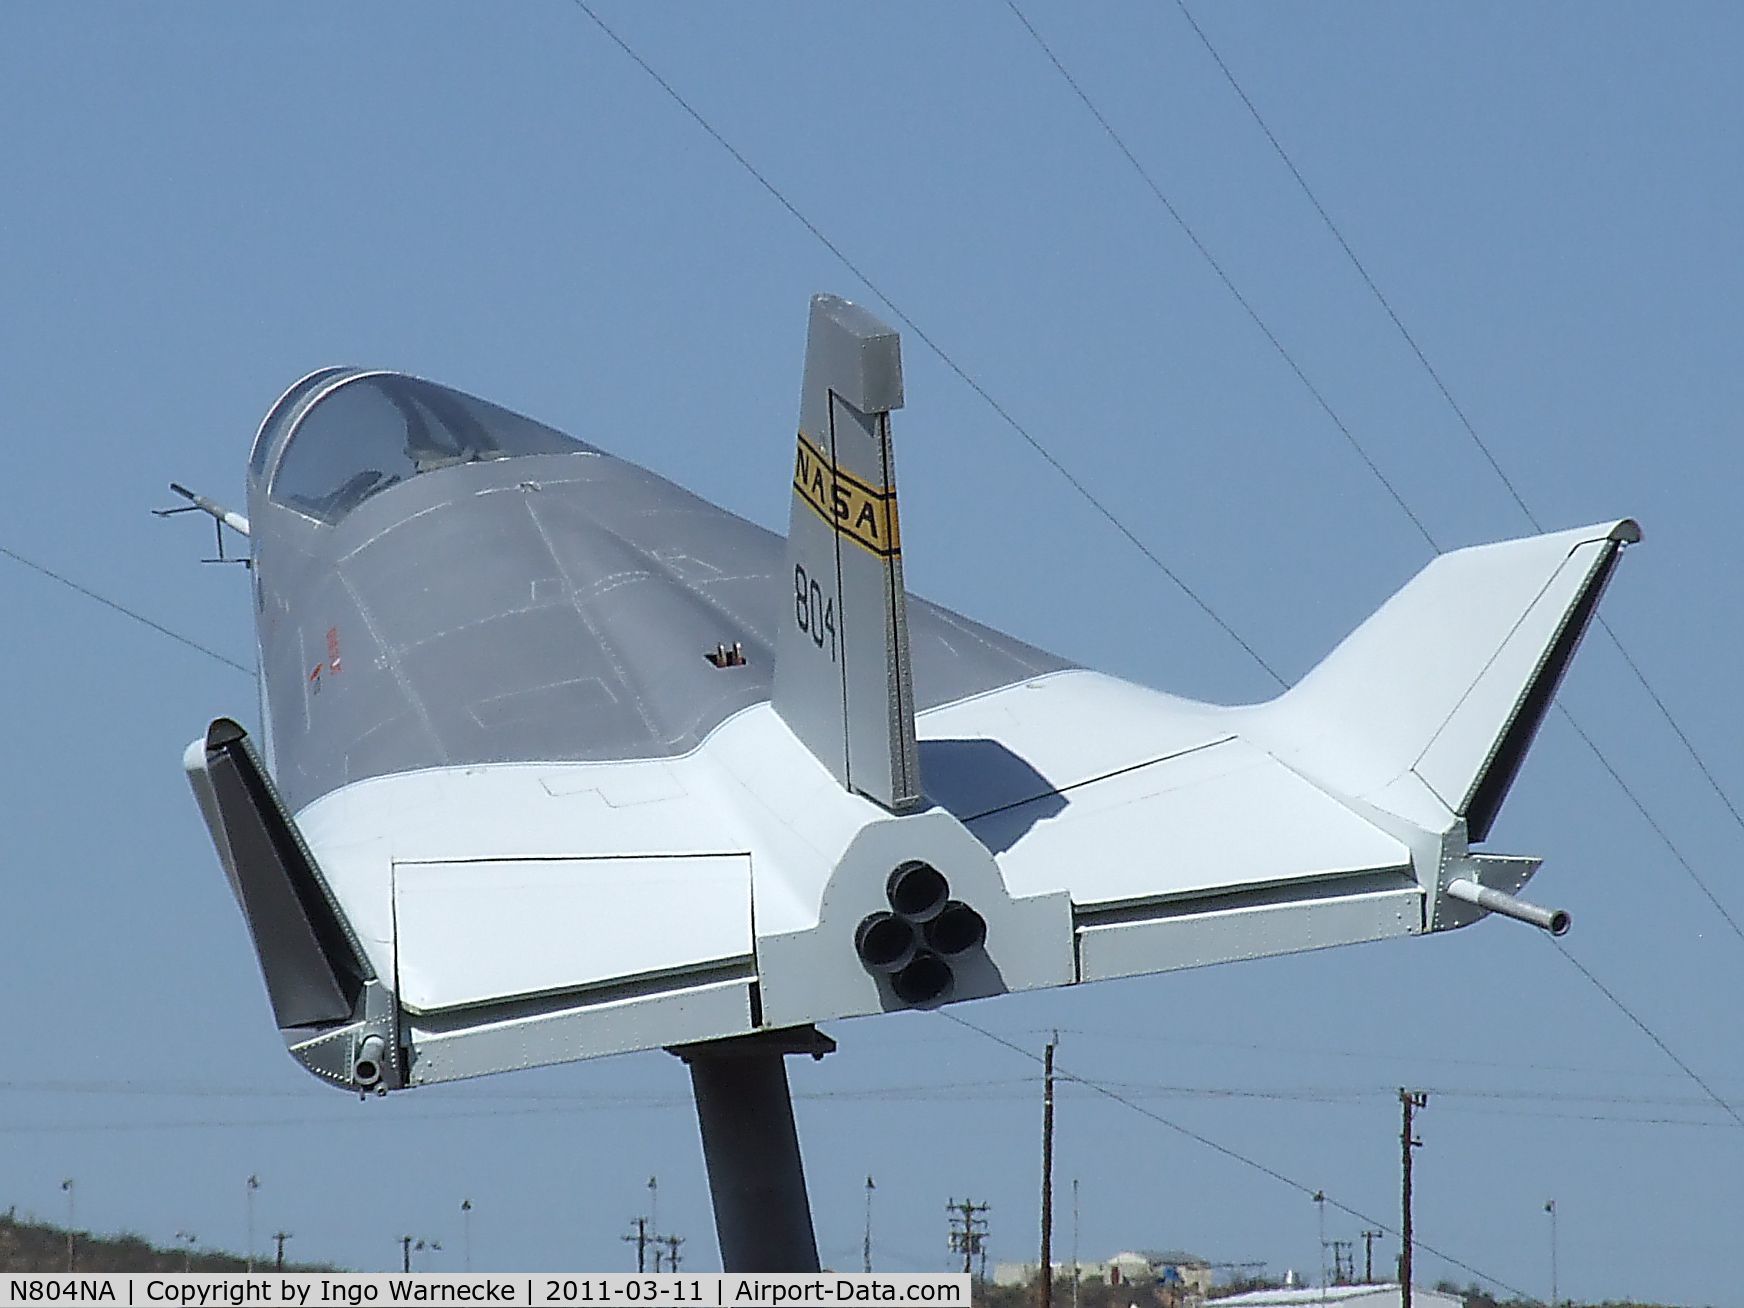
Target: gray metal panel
x=549 y=608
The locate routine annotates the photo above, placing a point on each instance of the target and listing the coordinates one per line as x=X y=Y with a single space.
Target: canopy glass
x=376 y=430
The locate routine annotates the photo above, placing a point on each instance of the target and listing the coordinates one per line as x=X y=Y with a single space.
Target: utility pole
x=69 y=1185
x=279 y=1258
x=672 y=1243
x=1047 y=1268
x=866 y=1245
x=654 y=1202
x=639 y=1238
x=248 y=1196
x=466 y=1230
x=1409 y=1102
x=1368 y=1239
x=1550 y=1207
x=406 y=1247
x=968 y=1231
x=1343 y=1262
x=188 y=1238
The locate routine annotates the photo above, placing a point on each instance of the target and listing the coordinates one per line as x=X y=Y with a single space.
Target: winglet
x=1450 y=680
x=842 y=677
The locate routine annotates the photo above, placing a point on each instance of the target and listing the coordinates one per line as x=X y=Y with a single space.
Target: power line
x=1372 y=466
x=1011 y=421
x=1059 y=467
x=1319 y=1050
x=1646 y=816
x=1225 y=1150
x=1471 y=431
x=1647 y=1031
x=900 y=1093
x=1357 y=1094
x=1672 y=722
x=122 y=609
x=1041 y=449
x=1223 y=276
x=1357 y=263
x=1010 y=1089
x=1615 y=1118
x=1090 y=497
x=1380 y=476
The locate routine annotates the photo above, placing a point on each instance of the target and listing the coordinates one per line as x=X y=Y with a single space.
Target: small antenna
x=221 y=518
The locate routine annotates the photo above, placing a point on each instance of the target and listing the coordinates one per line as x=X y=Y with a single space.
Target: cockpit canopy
x=342 y=435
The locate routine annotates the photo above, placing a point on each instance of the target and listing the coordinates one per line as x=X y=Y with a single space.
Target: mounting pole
x=751 y=1147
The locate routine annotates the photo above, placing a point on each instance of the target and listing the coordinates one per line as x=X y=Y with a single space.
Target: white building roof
x=1346 y=1296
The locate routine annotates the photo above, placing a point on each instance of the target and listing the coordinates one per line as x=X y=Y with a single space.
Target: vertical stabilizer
x=842 y=678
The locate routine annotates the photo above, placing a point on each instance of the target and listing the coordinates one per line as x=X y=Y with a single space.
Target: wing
x=1340 y=812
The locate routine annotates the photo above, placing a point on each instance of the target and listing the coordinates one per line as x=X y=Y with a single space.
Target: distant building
x=1173 y=1269
x=1025 y=1273
x=1187 y=1274
x=1341 y=1296
x=1130 y=1269
x=1176 y=1269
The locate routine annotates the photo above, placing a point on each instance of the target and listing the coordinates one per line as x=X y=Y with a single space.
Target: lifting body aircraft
x=558 y=760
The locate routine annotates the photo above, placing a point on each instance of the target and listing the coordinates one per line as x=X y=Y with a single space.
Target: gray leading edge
x=558 y=760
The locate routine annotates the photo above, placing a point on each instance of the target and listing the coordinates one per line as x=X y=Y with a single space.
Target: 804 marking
x=814 y=611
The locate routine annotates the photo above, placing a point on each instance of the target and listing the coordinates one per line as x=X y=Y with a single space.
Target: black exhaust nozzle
x=918 y=891
x=925 y=979
x=886 y=942
x=956 y=930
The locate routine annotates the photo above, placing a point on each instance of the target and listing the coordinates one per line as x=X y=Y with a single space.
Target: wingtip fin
x=1452 y=677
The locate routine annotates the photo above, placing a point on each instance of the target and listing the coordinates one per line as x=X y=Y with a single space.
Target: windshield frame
x=286 y=411
x=441 y=427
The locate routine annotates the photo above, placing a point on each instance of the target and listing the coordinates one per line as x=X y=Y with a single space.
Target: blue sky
x=204 y=202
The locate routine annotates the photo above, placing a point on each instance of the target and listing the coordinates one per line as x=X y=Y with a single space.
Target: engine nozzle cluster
x=923 y=929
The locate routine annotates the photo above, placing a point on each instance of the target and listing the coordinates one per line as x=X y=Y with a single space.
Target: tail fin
x=842 y=677
x=1450 y=679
